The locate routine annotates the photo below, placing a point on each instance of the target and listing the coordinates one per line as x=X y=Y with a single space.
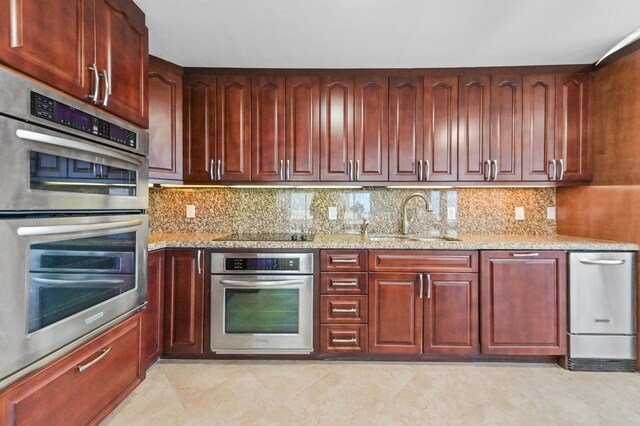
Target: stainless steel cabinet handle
x=281 y=169
x=238 y=283
x=211 y=170
x=606 y=262
x=103 y=354
x=428 y=286
x=561 y=161
x=344 y=284
x=421 y=284
x=344 y=311
x=357 y=169
x=525 y=254
x=344 y=260
x=552 y=169
x=350 y=169
x=219 y=169
x=352 y=340
x=427 y=175
x=199 y=262
x=419 y=170
x=487 y=170
x=51 y=281
x=96 y=84
x=288 y=169
x=27 y=231
x=495 y=169
x=107 y=88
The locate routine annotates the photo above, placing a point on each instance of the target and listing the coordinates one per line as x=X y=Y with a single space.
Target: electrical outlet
x=333 y=213
x=191 y=211
x=519 y=213
x=451 y=213
x=551 y=213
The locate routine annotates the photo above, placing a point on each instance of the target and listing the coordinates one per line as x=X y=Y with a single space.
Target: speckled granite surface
x=468 y=242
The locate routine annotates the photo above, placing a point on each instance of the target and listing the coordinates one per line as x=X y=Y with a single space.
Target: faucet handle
x=365 y=227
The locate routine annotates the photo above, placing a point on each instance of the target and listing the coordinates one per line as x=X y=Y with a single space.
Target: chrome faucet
x=407 y=217
x=365 y=229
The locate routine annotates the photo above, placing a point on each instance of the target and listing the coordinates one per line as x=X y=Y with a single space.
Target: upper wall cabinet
x=165 y=120
x=267 y=129
x=336 y=121
x=538 y=127
x=505 y=142
x=474 y=128
x=440 y=161
x=95 y=50
x=406 y=151
x=233 y=136
x=302 y=138
x=200 y=129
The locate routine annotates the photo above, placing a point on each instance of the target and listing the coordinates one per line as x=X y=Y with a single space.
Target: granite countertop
x=352 y=241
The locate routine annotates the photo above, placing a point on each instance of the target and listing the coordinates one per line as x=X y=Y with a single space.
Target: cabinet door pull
x=199 y=262
x=428 y=286
x=344 y=260
x=552 y=175
x=421 y=284
x=288 y=169
x=419 y=170
x=357 y=169
x=352 y=340
x=344 y=311
x=427 y=174
x=494 y=167
x=350 y=169
x=103 y=354
x=561 y=169
x=487 y=170
x=344 y=284
x=525 y=254
x=219 y=169
x=107 y=88
x=96 y=84
x=211 y=170
x=281 y=169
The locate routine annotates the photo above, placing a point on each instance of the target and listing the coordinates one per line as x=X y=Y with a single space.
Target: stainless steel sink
x=391 y=238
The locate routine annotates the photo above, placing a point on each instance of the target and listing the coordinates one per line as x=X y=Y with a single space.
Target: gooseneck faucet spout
x=407 y=217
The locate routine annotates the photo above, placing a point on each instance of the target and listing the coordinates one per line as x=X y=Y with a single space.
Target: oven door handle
x=62 y=282
x=260 y=283
x=25 y=231
x=78 y=146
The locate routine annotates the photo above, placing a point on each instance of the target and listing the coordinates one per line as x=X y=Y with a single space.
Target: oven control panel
x=261 y=264
x=59 y=113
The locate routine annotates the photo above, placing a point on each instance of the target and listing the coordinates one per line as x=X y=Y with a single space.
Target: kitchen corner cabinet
x=165 y=120
x=82 y=387
x=523 y=309
x=184 y=301
x=153 y=316
x=110 y=34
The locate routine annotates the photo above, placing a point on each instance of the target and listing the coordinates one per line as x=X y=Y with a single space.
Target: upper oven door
x=45 y=170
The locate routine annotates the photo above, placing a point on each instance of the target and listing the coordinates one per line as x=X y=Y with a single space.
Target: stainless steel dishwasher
x=602 y=311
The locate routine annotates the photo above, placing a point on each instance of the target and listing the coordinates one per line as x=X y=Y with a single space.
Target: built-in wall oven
x=262 y=303
x=73 y=223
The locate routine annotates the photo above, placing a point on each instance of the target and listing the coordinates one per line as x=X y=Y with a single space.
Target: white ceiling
x=385 y=33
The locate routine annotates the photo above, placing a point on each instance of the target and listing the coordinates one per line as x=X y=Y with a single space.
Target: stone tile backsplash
x=477 y=210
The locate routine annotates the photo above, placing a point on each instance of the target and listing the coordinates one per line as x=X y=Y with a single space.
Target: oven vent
x=597 y=364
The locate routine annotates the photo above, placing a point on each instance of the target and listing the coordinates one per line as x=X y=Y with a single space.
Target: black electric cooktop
x=269 y=236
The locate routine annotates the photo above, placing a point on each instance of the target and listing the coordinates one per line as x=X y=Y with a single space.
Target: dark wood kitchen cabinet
x=63 y=46
x=474 y=127
x=523 y=309
x=441 y=129
x=406 y=123
x=199 y=112
x=233 y=124
x=572 y=112
x=82 y=387
x=371 y=144
x=302 y=138
x=184 y=301
x=153 y=315
x=538 y=127
x=165 y=120
x=505 y=142
x=336 y=123
x=268 y=129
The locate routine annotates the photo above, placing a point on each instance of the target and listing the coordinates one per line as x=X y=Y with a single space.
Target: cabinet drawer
x=423 y=261
x=343 y=338
x=343 y=283
x=83 y=386
x=343 y=260
x=343 y=309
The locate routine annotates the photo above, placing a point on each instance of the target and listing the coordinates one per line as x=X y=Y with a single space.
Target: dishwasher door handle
x=603 y=262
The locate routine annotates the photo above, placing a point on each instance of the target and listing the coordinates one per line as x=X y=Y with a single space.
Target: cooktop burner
x=269 y=236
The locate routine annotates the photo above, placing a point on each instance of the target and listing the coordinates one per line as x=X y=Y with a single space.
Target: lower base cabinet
x=153 y=316
x=82 y=387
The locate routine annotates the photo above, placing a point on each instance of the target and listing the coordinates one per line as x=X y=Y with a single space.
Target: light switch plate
x=451 y=213
x=551 y=213
x=191 y=211
x=333 y=213
x=519 y=213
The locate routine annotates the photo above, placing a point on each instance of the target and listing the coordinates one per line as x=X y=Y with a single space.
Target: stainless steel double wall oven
x=73 y=223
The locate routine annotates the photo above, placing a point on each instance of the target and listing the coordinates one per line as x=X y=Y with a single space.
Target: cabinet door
x=395 y=313
x=199 y=129
x=303 y=128
x=523 y=303
x=122 y=44
x=506 y=127
x=538 y=126
x=336 y=123
x=405 y=127
x=184 y=301
x=267 y=129
x=153 y=316
x=165 y=120
x=371 y=155
x=451 y=318
x=473 y=125
x=571 y=126
x=234 y=128
x=25 y=42
x=441 y=129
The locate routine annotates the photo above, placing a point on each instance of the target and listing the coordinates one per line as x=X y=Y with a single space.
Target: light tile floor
x=374 y=393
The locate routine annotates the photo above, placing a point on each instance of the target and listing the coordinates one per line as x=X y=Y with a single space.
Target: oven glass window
x=55 y=173
x=70 y=276
x=261 y=311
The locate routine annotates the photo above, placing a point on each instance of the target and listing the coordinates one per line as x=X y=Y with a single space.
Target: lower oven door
x=64 y=277
x=261 y=314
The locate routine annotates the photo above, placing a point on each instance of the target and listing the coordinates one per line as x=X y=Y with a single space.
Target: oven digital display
x=261 y=264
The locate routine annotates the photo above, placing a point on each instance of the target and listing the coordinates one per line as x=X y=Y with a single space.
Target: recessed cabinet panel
x=538 y=122
x=337 y=129
x=506 y=127
x=371 y=134
x=234 y=128
x=571 y=125
x=405 y=127
x=267 y=120
x=441 y=129
x=474 y=127
x=200 y=128
x=303 y=128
